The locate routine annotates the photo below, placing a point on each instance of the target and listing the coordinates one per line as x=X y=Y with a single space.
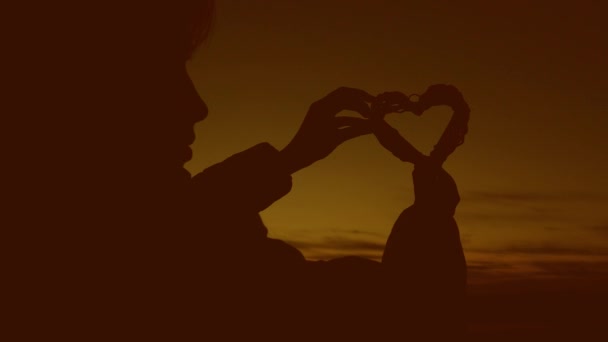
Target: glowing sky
x=531 y=174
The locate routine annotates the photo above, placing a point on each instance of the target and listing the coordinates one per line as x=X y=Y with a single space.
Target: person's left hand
x=322 y=131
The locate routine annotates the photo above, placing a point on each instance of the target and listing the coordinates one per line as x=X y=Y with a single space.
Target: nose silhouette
x=195 y=104
x=202 y=110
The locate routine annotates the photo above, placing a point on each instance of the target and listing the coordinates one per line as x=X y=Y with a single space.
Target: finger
x=345 y=99
x=343 y=121
x=361 y=107
x=393 y=98
x=327 y=108
x=348 y=133
x=390 y=102
x=337 y=106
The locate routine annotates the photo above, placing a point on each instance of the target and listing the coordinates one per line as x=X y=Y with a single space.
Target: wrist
x=289 y=160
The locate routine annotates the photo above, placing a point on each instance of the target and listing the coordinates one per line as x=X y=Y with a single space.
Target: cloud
x=548 y=249
x=511 y=196
x=361 y=232
x=346 y=242
x=540 y=274
x=536 y=210
x=577 y=269
x=552 y=250
x=320 y=255
x=489 y=266
x=601 y=229
x=510 y=216
x=537 y=267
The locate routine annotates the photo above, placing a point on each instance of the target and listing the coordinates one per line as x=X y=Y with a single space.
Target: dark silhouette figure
x=120 y=243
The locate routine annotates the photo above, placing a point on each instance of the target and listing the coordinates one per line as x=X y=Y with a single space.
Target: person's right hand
x=322 y=131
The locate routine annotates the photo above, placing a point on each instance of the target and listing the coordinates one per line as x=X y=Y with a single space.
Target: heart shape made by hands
x=436 y=95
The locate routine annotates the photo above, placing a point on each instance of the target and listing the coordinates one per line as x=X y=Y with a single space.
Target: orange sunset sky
x=531 y=174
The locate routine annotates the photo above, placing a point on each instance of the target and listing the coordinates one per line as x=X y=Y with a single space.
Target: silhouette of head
x=149 y=103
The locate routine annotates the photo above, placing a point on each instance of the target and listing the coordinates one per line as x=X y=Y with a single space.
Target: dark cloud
x=355 y=243
x=578 y=269
x=539 y=277
x=340 y=244
x=512 y=216
x=489 y=271
x=544 y=249
x=601 y=229
x=513 y=211
x=488 y=266
x=540 y=268
x=510 y=196
x=553 y=250
x=362 y=232
x=328 y=256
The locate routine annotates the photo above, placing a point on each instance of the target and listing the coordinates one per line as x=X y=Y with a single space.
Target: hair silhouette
x=121 y=243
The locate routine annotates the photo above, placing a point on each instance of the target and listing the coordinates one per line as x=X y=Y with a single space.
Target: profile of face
x=174 y=107
x=157 y=114
x=161 y=105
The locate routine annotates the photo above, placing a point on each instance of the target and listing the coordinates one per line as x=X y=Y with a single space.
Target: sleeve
x=423 y=260
x=250 y=180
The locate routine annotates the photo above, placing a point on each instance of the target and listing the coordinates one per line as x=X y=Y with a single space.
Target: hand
x=439 y=95
x=321 y=132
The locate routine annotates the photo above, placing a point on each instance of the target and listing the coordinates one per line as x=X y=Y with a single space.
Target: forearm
x=291 y=161
x=250 y=180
